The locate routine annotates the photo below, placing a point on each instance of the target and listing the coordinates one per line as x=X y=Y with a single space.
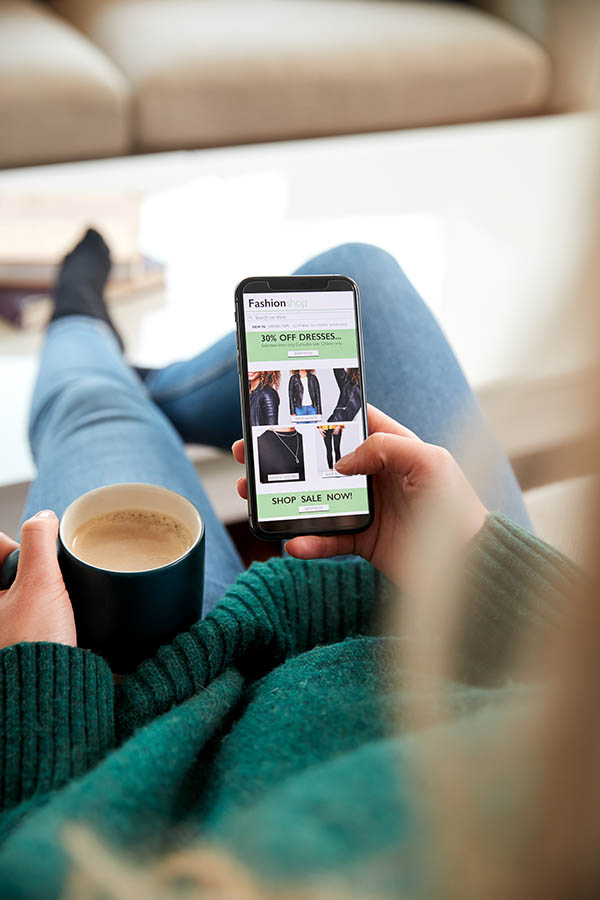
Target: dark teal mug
x=120 y=615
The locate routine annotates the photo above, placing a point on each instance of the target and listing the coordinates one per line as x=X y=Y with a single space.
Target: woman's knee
x=354 y=259
x=85 y=401
x=380 y=278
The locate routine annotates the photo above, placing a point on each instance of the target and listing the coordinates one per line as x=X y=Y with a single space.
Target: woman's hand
x=36 y=607
x=408 y=476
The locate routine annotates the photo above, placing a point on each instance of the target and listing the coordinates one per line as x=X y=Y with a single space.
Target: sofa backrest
x=570 y=32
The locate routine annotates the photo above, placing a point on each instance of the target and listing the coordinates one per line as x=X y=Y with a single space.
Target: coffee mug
x=125 y=616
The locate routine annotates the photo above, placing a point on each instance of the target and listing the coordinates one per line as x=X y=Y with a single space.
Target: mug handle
x=8 y=571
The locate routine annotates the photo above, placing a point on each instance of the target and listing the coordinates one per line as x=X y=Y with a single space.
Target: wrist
x=475 y=521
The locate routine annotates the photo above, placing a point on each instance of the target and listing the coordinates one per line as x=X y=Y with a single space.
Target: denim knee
x=354 y=259
x=376 y=272
x=83 y=401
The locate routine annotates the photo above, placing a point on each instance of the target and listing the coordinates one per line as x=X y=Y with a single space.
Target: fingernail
x=345 y=461
x=45 y=514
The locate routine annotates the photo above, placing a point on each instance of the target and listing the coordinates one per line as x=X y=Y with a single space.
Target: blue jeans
x=94 y=422
x=306 y=411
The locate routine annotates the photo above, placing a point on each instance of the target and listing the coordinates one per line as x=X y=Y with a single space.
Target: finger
x=384 y=452
x=38 y=561
x=242 y=488
x=378 y=421
x=7 y=545
x=237 y=448
x=313 y=547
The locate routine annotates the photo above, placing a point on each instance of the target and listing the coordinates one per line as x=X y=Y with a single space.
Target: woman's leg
x=328 y=440
x=93 y=423
x=413 y=375
x=337 y=441
x=201 y=396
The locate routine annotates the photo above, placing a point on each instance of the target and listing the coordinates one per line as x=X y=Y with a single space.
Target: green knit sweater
x=270 y=728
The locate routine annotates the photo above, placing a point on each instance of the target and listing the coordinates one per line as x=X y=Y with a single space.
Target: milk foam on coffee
x=131 y=540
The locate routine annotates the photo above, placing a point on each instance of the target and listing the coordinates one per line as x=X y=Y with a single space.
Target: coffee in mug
x=132 y=559
x=131 y=540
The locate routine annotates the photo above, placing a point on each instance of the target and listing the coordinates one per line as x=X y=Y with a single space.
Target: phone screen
x=306 y=404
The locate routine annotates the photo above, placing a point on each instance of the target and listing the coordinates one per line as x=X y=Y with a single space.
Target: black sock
x=79 y=288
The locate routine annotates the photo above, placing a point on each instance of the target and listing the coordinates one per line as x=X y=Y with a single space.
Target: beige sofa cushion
x=570 y=32
x=226 y=71
x=60 y=97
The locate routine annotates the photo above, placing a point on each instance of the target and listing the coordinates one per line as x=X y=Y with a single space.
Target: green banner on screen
x=308 y=504
x=301 y=346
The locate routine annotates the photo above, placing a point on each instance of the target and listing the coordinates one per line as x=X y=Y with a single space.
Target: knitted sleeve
x=56 y=718
x=515 y=586
x=274 y=611
x=278 y=609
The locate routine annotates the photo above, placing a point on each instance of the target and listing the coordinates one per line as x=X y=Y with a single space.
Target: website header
x=317 y=300
x=322 y=310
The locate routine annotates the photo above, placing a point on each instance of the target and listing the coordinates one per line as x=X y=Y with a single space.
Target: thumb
x=315 y=547
x=38 y=561
x=383 y=452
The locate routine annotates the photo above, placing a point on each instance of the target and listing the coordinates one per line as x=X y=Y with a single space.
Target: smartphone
x=302 y=387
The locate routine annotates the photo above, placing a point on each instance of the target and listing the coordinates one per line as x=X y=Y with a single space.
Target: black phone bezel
x=289 y=528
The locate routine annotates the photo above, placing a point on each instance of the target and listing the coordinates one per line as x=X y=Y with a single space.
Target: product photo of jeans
x=306 y=411
x=332 y=445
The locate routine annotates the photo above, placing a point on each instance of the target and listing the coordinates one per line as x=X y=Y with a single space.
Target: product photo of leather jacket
x=350 y=399
x=295 y=392
x=264 y=406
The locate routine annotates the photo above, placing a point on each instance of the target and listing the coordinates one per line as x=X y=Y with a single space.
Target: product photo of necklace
x=289 y=449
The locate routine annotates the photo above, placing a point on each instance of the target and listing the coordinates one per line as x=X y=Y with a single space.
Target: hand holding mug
x=37 y=606
x=127 y=578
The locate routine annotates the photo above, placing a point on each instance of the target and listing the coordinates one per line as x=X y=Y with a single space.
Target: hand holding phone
x=303 y=403
x=407 y=474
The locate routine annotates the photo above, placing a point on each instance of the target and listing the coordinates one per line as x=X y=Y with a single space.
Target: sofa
x=97 y=78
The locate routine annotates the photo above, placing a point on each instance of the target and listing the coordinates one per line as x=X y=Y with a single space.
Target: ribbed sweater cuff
x=515 y=583
x=56 y=717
